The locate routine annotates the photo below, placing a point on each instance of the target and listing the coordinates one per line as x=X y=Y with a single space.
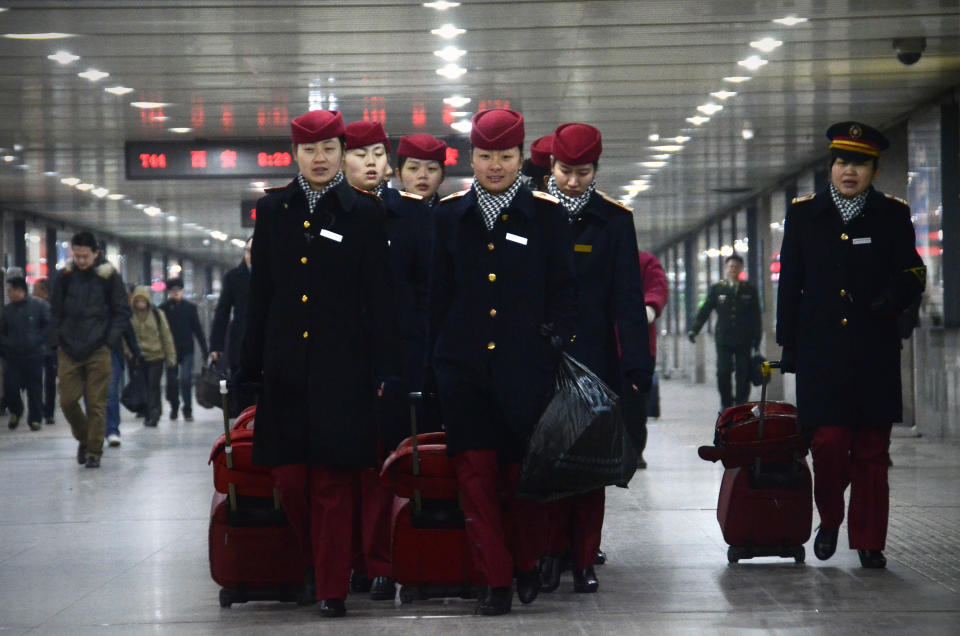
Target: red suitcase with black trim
x=254 y=553
x=765 y=507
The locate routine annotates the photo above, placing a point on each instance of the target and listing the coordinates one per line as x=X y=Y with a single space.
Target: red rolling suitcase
x=765 y=507
x=429 y=547
x=254 y=553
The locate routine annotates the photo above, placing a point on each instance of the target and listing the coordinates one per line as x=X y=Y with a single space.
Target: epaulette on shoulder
x=455 y=195
x=545 y=196
x=275 y=189
x=366 y=192
x=411 y=195
x=105 y=270
x=897 y=199
x=805 y=197
x=613 y=201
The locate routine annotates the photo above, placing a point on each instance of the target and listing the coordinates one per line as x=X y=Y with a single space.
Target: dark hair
x=175 y=283
x=41 y=283
x=538 y=176
x=852 y=157
x=85 y=239
x=18 y=282
x=733 y=257
x=402 y=160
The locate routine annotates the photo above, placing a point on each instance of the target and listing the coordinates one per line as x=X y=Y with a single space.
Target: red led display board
x=209 y=159
x=248 y=212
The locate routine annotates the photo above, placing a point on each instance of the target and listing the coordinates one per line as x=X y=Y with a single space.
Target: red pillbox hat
x=576 y=144
x=366 y=133
x=497 y=129
x=540 y=151
x=422 y=146
x=316 y=125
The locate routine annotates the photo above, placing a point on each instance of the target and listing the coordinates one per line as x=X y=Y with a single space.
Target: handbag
x=134 y=394
x=208 y=386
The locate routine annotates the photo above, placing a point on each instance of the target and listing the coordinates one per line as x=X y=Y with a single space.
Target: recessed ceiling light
x=119 y=90
x=698 y=120
x=723 y=94
x=115 y=196
x=753 y=62
x=790 y=20
x=653 y=164
x=93 y=75
x=171 y=219
x=747 y=134
x=100 y=192
x=37 y=36
x=9 y=158
x=737 y=79
x=633 y=188
x=653 y=137
x=149 y=104
x=681 y=139
x=766 y=44
x=23 y=166
x=140 y=206
x=660 y=157
x=206 y=242
x=51 y=173
x=83 y=187
x=456 y=101
x=257 y=184
x=151 y=210
x=238 y=243
x=448 y=31
x=64 y=57
x=642 y=181
x=17 y=147
x=70 y=181
x=462 y=126
x=451 y=71
x=180 y=130
x=441 y=5
x=709 y=108
x=671 y=148
x=450 y=53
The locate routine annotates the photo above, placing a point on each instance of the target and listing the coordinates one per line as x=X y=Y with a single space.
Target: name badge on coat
x=333 y=236
x=522 y=240
x=865 y=240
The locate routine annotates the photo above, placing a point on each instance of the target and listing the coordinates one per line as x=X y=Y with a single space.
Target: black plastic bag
x=134 y=395
x=756 y=370
x=208 y=386
x=580 y=443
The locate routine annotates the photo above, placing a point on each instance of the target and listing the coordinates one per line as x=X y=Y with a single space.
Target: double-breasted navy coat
x=321 y=326
x=841 y=286
x=603 y=244
x=490 y=291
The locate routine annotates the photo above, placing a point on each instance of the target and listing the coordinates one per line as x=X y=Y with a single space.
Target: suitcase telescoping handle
x=415 y=397
x=765 y=369
x=228 y=446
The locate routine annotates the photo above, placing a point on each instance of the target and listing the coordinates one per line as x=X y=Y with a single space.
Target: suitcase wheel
x=735 y=554
x=226 y=598
x=407 y=594
x=799 y=554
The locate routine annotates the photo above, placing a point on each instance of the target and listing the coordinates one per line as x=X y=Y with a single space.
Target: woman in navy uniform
x=420 y=165
x=407 y=222
x=848 y=267
x=611 y=313
x=320 y=275
x=501 y=271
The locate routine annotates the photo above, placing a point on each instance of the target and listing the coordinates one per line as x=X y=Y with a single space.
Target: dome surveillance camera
x=909 y=50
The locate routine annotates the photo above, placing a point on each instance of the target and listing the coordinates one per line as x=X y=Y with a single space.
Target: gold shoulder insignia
x=897 y=199
x=366 y=192
x=411 y=195
x=455 y=195
x=805 y=197
x=275 y=189
x=545 y=196
x=611 y=200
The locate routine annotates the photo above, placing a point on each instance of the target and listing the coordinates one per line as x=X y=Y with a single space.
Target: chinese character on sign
x=228 y=159
x=198 y=158
x=452 y=156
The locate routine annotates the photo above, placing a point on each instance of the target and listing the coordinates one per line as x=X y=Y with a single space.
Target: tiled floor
x=123 y=549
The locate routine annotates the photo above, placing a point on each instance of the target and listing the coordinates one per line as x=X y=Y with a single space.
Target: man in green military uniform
x=737 y=304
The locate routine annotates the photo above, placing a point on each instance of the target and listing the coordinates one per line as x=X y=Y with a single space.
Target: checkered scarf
x=849 y=208
x=573 y=205
x=490 y=204
x=314 y=196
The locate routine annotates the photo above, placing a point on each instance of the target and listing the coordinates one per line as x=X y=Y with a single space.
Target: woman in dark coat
x=229 y=324
x=501 y=269
x=848 y=267
x=320 y=277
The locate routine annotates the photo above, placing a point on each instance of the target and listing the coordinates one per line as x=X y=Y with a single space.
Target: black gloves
x=548 y=331
x=243 y=381
x=788 y=360
x=883 y=306
x=692 y=337
x=639 y=378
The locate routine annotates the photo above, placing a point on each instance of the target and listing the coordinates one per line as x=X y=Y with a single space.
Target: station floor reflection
x=123 y=549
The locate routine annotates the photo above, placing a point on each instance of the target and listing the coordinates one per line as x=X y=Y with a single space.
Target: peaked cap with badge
x=856 y=141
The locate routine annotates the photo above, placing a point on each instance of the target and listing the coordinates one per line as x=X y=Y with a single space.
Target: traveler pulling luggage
x=765 y=506
x=254 y=553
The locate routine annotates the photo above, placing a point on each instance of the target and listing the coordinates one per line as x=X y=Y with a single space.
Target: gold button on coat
x=303 y=298
x=505 y=217
x=492 y=277
x=306 y=334
x=306 y=224
x=843 y=293
x=303 y=259
x=844 y=237
x=490 y=246
x=493 y=313
x=491 y=346
x=844 y=322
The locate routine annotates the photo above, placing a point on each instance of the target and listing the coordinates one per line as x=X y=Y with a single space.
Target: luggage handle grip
x=228 y=445
x=415 y=396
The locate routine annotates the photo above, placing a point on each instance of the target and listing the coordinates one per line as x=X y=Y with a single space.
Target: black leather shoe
x=81 y=454
x=332 y=607
x=585 y=581
x=495 y=601
x=359 y=583
x=601 y=558
x=641 y=462
x=872 y=559
x=549 y=573
x=528 y=585
x=826 y=542
x=383 y=588
x=14 y=421
x=308 y=594
x=93 y=462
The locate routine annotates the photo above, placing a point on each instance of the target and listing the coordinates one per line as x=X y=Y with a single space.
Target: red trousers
x=319 y=503
x=504 y=533
x=857 y=457
x=373 y=514
x=577 y=523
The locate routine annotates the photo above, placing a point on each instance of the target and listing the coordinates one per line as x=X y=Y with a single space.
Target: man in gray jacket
x=89 y=311
x=24 y=333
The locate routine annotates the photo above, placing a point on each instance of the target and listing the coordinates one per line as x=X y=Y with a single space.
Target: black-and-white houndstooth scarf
x=314 y=196
x=492 y=204
x=849 y=208
x=572 y=205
